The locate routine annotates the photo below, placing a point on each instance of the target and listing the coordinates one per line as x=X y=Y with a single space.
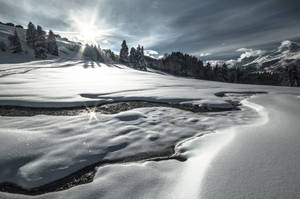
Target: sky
x=210 y=29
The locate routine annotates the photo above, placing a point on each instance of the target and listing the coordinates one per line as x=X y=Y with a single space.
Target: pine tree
x=142 y=50
x=98 y=52
x=132 y=57
x=124 y=53
x=109 y=56
x=218 y=73
x=90 y=52
x=140 y=59
x=51 y=44
x=15 y=44
x=40 y=44
x=30 y=34
x=225 y=72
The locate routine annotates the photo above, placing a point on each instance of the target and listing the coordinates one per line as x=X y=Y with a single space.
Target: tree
x=132 y=57
x=19 y=26
x=140 y=59
x=142 y=51
x=40 y=44
x=124 y=53
x=137 y=58
x=2 y=46
x=89 y=52
x=51 y=44
x=225 y=72
x=109 y=56
x=30 y=34
x=98 y=53
x=15 y=44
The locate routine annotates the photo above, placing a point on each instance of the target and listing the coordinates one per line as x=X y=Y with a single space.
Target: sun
x=86 y=27
x=88 y=33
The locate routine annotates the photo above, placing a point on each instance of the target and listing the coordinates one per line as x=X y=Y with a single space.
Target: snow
x=262 y=162
x=61 y=83
x=252 y=153
x=61 y=145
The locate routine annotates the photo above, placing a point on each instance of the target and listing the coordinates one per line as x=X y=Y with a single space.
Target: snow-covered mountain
x=279 y=66
x=286 y=55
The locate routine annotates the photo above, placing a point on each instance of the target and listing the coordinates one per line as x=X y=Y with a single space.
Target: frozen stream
x=149 y=134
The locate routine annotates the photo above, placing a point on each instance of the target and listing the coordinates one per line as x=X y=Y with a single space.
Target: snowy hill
x=165 y=135
x=66 y=49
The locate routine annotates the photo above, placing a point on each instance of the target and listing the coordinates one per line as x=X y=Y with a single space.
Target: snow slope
x=223 y=151
x=67 y=49
x=61 y=83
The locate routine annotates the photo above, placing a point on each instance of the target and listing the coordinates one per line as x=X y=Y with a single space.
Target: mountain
x=286 y=54
x=284 y=61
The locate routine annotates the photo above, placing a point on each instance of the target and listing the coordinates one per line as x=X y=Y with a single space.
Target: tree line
x=37 y=39
x=136 y=57
x=42 y=44
x=187 y=65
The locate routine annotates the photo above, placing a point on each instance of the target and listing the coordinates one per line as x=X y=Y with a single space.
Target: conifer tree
x=40 y=44
x=51 y=44
x=30 y=34
x=132 y=57
x=15 y=44
x=140 y=59
x=98 y=52
x=124 y=53
x=225 y=72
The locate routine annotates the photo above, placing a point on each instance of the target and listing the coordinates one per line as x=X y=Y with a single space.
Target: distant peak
x=288 y=46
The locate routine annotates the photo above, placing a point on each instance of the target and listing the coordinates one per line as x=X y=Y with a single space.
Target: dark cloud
x=199 y=27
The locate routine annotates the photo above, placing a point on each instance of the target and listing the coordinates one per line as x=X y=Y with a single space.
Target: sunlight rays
x=86 y=27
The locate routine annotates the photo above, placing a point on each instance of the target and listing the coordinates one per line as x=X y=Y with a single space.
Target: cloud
x=151 y=53
x=191 y=26
x=204 y=54
x=105 y=41
x=246 y=53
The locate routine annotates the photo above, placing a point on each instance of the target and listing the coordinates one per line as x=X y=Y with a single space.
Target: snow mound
x=130 y=116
